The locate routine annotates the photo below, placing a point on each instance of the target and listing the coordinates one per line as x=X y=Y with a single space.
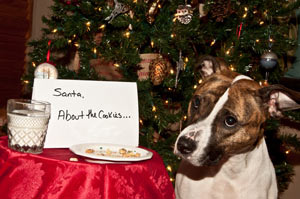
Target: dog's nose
x=186 y=145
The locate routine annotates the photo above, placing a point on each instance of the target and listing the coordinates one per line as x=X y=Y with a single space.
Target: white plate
x=100 y=152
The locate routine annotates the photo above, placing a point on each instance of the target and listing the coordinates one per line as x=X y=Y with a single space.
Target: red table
x=51 y=175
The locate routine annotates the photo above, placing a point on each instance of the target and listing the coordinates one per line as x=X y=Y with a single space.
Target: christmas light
x=257 y=40
x=99 y=9
x=271 y=40
x=195 y=86
x=102 y=26
x=116 y=65
x=172 y=35
x=95 y=50
x=166 y=102
x=88 y=24
x=186 y=59
x=74 y=36
x=76 y=44
x=169 y=89
x=171 y=179
x=134 y=1
x=246 y=9
x=69 y=41
x=153 y=108
x=141 y=122
x=245 y=15
x=127 y=34
x=213 y=42
x=287 y=151
x=184 y=117
x=261 y=22
x=54 y=30
x=33 y=64
x=231 y=67
x=228 y=52
x=169 y=168
x=152 y=44
x=26 y=82
x=155 y=116
x=172 y=71
x=200 y=81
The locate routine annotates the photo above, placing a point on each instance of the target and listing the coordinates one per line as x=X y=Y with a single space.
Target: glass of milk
x=27 y=123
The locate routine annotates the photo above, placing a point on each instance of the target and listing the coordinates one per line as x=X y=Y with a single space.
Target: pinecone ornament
x=220 y=9
x=158 y=70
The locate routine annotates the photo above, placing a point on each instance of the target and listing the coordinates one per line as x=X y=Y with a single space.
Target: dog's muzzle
x=186 y=145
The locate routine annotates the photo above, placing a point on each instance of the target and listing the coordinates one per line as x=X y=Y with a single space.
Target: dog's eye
x=230 y=121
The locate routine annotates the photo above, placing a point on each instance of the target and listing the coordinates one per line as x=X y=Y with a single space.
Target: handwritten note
x=89 y=111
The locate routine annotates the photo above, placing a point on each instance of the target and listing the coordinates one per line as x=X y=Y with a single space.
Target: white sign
x=89 y=111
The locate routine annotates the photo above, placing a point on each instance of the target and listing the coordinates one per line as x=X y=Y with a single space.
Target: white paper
x=89 y=112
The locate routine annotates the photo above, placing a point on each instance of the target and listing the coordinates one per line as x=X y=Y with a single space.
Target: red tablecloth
x=51 y=175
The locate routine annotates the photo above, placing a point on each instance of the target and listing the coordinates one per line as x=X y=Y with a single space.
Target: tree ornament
x=184 y=14
x=179 y=67
x=220 y=9
x=152 y=11
x=118 y=9
x=46 y=71
x=158 y=69
x=268 y=60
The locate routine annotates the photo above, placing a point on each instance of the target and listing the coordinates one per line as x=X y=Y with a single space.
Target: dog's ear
x=279 y=98
x=207 y=65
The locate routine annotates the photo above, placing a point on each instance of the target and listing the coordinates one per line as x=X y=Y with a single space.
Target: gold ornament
x=152 y=11
x=158 y=69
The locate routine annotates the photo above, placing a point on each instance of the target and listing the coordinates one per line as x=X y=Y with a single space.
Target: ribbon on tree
x=48 y=53
x=239 y=30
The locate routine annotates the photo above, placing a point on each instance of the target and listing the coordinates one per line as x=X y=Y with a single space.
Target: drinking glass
x=27 y=122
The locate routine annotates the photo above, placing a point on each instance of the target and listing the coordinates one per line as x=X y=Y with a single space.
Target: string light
x=99 y=9
x=26 y=81
x=257 y=40
x=287 y=151
x=228 y=52
x=127 y=34
x=245 y=15
x=116 y=65
x=88 y=24
x=134 y=1
x=95 y=50
x=231 y=67
x=184 y=117
x=155 y=116
x=271 y=40
x=76 y=44
x=54 y=30
x=169 y=168
x=200 y=81
x=33 y=64
x=213 y=42
x=166 y=102
x=153 y=108
x=172 y=35
x=172 y=71
x=69 y=41
x=152 y=44
x=74 y=36
x=172 y=179
x=261 y=22
x=141 y=122
x=102 y=26
x=159 y=6
x=195 y=86
x=169 y=89
x=186 y=59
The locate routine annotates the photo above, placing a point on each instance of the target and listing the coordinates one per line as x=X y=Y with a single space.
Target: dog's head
x=226 y=114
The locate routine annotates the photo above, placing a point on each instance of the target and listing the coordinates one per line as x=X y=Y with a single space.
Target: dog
x=223 y=150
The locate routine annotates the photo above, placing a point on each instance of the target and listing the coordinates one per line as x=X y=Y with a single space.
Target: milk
x=27 y=130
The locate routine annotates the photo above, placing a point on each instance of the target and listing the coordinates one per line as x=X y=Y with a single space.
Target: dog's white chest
x=247 y=176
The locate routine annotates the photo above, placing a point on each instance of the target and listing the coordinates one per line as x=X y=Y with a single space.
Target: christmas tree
x=156 y=43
